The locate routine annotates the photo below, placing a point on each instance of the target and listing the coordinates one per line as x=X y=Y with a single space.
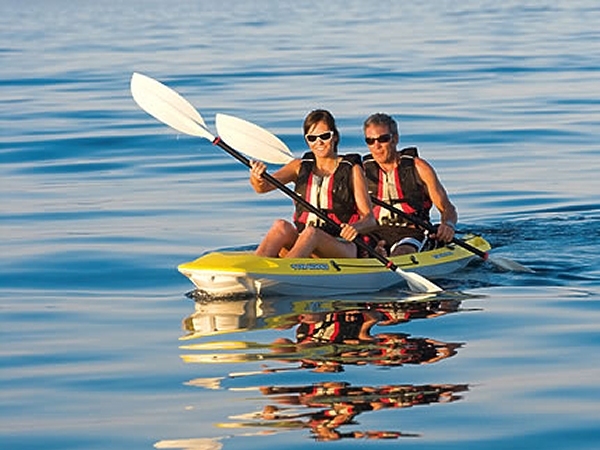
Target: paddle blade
x=252 y=140
x=166 y=105
x=418 y=283
x=509 y=265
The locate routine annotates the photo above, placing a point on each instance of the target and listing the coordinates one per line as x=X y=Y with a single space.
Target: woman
x=333 y=183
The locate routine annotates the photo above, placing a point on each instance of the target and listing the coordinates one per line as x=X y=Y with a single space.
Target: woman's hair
x=382 y=119
x=322 y=115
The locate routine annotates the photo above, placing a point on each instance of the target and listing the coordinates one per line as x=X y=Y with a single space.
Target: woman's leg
x=314 y=240
x=282 y=235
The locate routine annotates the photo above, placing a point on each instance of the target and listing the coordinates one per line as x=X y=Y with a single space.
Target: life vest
x=399 y=188
x=336 y=327
x=333 y=194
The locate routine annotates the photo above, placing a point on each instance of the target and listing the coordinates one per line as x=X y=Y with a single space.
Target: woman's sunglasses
x=381 y=139
x=323 y=136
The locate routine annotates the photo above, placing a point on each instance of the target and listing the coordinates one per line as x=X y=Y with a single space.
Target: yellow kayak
x=242 y=273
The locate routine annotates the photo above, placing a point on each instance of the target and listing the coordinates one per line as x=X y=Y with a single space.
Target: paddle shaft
x=279 y=185
x=423 y=224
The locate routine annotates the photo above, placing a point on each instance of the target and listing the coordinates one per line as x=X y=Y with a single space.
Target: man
x=408 y=183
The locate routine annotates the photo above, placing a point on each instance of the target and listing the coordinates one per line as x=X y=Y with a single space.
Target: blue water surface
x=102 y=348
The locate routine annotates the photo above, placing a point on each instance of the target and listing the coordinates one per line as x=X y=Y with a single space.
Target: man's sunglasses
x=323 y=136
x=381 y=139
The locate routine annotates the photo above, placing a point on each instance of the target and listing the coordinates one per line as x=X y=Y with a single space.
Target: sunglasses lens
x=324 y=137
x=383 y=139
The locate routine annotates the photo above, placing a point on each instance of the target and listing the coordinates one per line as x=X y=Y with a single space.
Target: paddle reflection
x=317 y=337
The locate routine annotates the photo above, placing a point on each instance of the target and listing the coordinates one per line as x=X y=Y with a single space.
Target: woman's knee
x=283 y=227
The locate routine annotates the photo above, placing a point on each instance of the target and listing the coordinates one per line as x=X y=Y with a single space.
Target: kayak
x=225 y=274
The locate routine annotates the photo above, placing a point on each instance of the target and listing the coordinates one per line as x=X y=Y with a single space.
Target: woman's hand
x=348 y=232
x=257 y=168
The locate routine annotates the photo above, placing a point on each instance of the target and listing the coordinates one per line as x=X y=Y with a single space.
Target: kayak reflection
x=215 y=317
x=325 y=335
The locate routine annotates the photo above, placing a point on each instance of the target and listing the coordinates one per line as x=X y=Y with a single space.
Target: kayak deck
x=242 y=273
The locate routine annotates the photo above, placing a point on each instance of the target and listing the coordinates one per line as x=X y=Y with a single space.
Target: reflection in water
x=327 y=334
x=325 y=407
x=386 y=349
x=212 y=317
x=191 y=444
x=321 y=336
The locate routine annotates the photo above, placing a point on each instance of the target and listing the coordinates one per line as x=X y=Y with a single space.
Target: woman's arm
x=285 y=175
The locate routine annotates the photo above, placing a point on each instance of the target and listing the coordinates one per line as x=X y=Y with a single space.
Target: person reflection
x=325 y=342
x=332 y=405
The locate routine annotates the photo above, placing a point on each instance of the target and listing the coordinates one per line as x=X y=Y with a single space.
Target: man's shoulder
x=409 y=152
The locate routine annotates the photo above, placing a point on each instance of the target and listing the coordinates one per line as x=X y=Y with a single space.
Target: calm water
x=100 y=346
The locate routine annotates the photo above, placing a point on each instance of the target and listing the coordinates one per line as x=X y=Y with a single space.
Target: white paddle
x=168 y=106
x=260 y=144
x=252 y=140
x=172 y=109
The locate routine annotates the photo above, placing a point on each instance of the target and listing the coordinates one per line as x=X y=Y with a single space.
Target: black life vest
x=334 y=195
x=407 y=193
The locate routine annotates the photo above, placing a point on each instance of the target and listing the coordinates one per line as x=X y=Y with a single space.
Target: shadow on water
x=316 y=338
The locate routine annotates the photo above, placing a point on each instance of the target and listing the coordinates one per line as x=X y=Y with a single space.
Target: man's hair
x=382 y=119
